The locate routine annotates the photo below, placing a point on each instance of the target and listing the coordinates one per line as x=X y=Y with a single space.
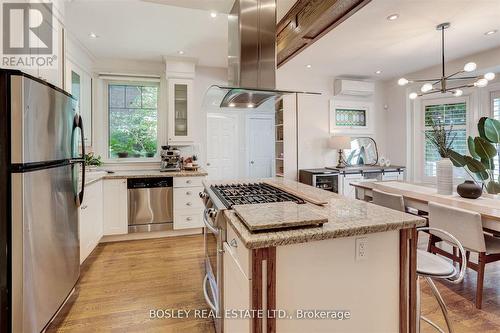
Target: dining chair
x=467 y=227
x=429 y=266
x=388 y=200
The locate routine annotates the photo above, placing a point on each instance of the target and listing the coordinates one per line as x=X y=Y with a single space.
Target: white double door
x=240 y=145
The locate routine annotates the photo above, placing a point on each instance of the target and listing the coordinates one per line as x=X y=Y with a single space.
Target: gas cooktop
x=252 y=193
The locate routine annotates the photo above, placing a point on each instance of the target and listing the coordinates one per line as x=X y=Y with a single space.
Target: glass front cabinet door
x=180 y=102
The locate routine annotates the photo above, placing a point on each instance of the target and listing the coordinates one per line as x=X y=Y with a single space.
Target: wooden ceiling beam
x=309 y=20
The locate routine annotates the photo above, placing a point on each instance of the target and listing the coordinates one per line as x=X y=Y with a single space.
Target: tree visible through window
x=449 y=114
x=133 y=118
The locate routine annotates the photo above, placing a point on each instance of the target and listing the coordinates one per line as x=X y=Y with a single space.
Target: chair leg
x=442 y=305
x=480 y=279
x=419 y=312
x=454 y=254
x=430 y=243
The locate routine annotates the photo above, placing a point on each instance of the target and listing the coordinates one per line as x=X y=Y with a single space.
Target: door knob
x=252 y=162
x=208 y=164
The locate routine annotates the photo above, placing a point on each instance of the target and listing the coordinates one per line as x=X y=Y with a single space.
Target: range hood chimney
x=251 y=57
x=252 y=44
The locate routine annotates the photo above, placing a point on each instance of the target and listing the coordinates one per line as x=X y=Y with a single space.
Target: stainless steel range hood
x=251 y=56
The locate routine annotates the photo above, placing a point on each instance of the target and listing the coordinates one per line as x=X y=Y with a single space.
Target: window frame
x=495 y=94
x=160 y=131
x=421 y=129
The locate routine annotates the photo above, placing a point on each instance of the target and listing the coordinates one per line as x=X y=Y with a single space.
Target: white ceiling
x=367 y=42
x=221 y=6
x=147 y=31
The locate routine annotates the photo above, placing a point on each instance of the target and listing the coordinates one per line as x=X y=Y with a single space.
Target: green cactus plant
x=480 y=164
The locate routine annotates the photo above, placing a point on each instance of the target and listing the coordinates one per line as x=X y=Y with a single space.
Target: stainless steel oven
x=214 y=237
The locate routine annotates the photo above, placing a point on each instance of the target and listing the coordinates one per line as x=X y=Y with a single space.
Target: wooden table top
x=487 y=205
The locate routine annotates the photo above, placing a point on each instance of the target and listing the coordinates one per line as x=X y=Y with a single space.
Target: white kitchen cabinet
x=236 y=292
x=79 y=84
x=90 y=224
x=115 y=216
x=188 y=207
x=345 y=187
x=180 y=106
x=393 y=176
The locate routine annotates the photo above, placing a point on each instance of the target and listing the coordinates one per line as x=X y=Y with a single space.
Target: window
x=495 y=105
x=132 y=120
x=450 y=114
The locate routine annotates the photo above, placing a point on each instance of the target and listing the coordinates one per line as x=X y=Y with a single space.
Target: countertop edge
x=317 y=235
x=146 y=175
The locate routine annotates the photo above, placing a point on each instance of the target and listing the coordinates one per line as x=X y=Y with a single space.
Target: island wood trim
x=408 y=280
x=309 y=20
x=259 y=256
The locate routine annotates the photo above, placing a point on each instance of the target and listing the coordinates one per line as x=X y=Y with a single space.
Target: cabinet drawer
x=238 y=251
x=188 y=181
x=188 y=219
x=187 y=198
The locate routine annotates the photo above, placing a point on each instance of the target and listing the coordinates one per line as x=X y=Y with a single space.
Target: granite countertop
x=346 y=217
x=94 y=176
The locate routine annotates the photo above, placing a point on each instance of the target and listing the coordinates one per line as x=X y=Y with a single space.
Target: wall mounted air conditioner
x=353 y=88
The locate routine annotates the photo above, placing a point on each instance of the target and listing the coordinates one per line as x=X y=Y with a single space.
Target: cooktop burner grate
x=253 y=193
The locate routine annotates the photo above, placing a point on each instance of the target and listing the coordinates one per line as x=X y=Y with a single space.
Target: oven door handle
x=208 y=224
x=205 y=293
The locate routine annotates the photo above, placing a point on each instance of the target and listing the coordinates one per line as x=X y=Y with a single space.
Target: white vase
x=444 y=176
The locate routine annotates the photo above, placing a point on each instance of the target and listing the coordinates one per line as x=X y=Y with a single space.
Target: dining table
x=417 y=196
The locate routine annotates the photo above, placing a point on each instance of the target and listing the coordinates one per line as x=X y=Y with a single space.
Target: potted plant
x=483 y=149
x=442 y=138
x=92 y=161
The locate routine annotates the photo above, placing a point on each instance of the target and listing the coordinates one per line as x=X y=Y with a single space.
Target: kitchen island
x=355 y=273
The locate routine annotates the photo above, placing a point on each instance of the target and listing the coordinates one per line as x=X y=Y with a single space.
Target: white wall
x=314 y=115
x=203 y=79
x=401 y=111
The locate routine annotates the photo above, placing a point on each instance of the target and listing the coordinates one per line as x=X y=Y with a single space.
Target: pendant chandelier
x=453 y=83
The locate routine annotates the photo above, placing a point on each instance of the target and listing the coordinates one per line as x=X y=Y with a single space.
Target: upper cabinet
x=180 y=77
x=79 y=84
x=180 y=105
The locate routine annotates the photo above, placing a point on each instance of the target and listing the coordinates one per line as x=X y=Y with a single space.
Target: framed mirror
x=363 y=152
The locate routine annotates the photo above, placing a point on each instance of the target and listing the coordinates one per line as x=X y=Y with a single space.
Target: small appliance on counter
x=325 y=179
x=170 y=159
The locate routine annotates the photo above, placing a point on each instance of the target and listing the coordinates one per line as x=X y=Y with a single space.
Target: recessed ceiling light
x=392 y=17
x=308 y=66
x=180 y=52
x=491 y=32
x=378 y=72
x=213 y=14
x=93 y=35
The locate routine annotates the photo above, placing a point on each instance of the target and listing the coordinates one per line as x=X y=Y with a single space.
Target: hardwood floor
x=460 y=299
x=122 y=281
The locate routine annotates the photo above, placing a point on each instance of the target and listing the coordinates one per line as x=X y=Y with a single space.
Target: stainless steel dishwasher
x=150 y=204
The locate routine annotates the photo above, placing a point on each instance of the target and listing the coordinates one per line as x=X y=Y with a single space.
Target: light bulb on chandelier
x=426 y=88
x=489 y=76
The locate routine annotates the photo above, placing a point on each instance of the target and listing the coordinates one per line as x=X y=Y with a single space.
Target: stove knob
x=203 y=195
x=212 y=212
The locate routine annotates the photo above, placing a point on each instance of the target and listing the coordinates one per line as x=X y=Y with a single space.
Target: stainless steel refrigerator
x=41 y=187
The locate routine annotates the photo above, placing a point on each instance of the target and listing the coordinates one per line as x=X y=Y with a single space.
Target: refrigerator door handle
x=78 y=123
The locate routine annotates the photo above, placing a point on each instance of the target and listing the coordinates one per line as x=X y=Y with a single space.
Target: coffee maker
x=170 y=159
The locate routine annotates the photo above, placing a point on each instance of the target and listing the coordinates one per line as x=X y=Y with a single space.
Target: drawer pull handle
x=189 y=204
x=188 y=193
x=189 y=218
x=188 y=182
x=233 y=243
